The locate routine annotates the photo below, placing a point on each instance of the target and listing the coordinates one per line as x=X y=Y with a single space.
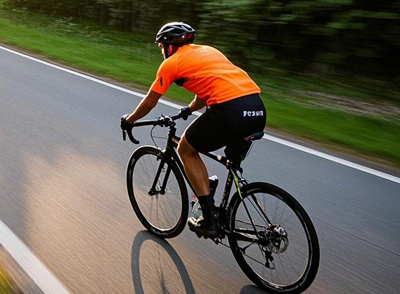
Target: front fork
x=156 y=188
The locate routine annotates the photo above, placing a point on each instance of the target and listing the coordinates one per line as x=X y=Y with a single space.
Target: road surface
x=63 y=195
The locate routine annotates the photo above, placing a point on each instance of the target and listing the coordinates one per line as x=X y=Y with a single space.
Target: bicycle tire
x=301 y=254
x=163 y=214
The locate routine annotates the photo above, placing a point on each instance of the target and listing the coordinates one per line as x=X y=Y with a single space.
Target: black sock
x=207 y=207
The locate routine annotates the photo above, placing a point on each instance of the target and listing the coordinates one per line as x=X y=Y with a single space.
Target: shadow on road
x=157 y=268
x=250 y=289
x=156 y=260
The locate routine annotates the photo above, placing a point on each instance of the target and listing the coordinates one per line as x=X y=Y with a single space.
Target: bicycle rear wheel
x=273 y=239
x=162 y=209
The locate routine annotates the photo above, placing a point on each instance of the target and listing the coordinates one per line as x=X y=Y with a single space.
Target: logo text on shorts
x=253 y=113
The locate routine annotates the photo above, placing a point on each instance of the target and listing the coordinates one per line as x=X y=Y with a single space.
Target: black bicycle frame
x=233 y=176
x=170 y=153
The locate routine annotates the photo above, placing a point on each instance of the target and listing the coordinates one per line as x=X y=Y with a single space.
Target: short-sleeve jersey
x=206 y=72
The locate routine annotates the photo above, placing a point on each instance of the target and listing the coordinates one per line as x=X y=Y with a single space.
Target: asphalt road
x=62 y=192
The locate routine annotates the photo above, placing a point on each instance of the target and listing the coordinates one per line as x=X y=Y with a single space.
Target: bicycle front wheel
x=157 y=192
x=273 y=239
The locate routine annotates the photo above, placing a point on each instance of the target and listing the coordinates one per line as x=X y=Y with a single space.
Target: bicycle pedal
x=199 y=235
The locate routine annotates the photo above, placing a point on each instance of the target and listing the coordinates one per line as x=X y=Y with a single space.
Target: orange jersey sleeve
x=206 y=72
x=165 y=76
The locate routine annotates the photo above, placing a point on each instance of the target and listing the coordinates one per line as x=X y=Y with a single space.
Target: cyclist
x=234 y=109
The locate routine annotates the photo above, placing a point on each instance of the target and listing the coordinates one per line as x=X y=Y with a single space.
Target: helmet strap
x=169 y=50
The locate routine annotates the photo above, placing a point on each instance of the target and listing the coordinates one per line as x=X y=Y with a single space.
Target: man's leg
x=194 y=168
x=198 y=177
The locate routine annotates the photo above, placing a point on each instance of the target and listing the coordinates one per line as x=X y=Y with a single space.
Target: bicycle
x=259 y=219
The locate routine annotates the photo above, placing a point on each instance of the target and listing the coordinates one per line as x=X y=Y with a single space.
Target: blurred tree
x=357 y=36
x=234 y=27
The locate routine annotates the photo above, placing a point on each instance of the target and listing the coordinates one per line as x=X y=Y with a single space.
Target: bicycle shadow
x=159 y=250
x=155 y=262
x=251 y=289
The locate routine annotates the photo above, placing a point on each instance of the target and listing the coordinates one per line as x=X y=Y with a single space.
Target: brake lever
x=124 y=135
x=133 y=140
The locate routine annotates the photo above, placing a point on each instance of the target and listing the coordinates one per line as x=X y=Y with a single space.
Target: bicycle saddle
x=254 y=137
x=237 y=151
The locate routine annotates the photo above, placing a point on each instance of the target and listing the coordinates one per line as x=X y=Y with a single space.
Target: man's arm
x=144 y=107
x=197 y=104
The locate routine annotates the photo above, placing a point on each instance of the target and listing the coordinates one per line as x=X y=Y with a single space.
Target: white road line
x=267 y=137
x=333 y=158
x=40 y=275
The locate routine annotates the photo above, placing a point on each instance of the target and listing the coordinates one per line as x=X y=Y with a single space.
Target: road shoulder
x=14 y=279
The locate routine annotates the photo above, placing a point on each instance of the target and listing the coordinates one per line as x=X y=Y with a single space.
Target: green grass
x=134 y=59
x=362 y=133
x=6 y=286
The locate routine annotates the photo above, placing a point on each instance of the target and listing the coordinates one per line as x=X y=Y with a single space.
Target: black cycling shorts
x=227 y=122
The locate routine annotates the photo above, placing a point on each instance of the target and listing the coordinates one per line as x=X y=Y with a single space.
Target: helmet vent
x=176 y=33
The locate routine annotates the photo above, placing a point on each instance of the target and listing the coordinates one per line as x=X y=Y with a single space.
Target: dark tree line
x=354 y=36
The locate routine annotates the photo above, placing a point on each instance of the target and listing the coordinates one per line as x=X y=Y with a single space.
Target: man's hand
x=125 y=125
x=185 y=112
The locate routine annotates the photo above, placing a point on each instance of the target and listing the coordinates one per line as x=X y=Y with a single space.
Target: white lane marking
x=268 y=137
x=73 y=72
x=40 y=275
x=333 y=158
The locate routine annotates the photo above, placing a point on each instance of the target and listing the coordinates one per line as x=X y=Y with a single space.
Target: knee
x=184 y=148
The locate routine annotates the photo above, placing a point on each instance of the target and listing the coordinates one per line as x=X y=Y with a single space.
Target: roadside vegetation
x=6 y=284
x=349 y=112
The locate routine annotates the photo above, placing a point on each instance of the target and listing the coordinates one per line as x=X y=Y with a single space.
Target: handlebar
x=163 y=121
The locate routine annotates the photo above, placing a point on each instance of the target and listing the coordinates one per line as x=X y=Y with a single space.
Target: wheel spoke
x=271 y=241
x=161 y=208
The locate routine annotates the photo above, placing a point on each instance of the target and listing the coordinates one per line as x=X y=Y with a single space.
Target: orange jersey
x=206 y=72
